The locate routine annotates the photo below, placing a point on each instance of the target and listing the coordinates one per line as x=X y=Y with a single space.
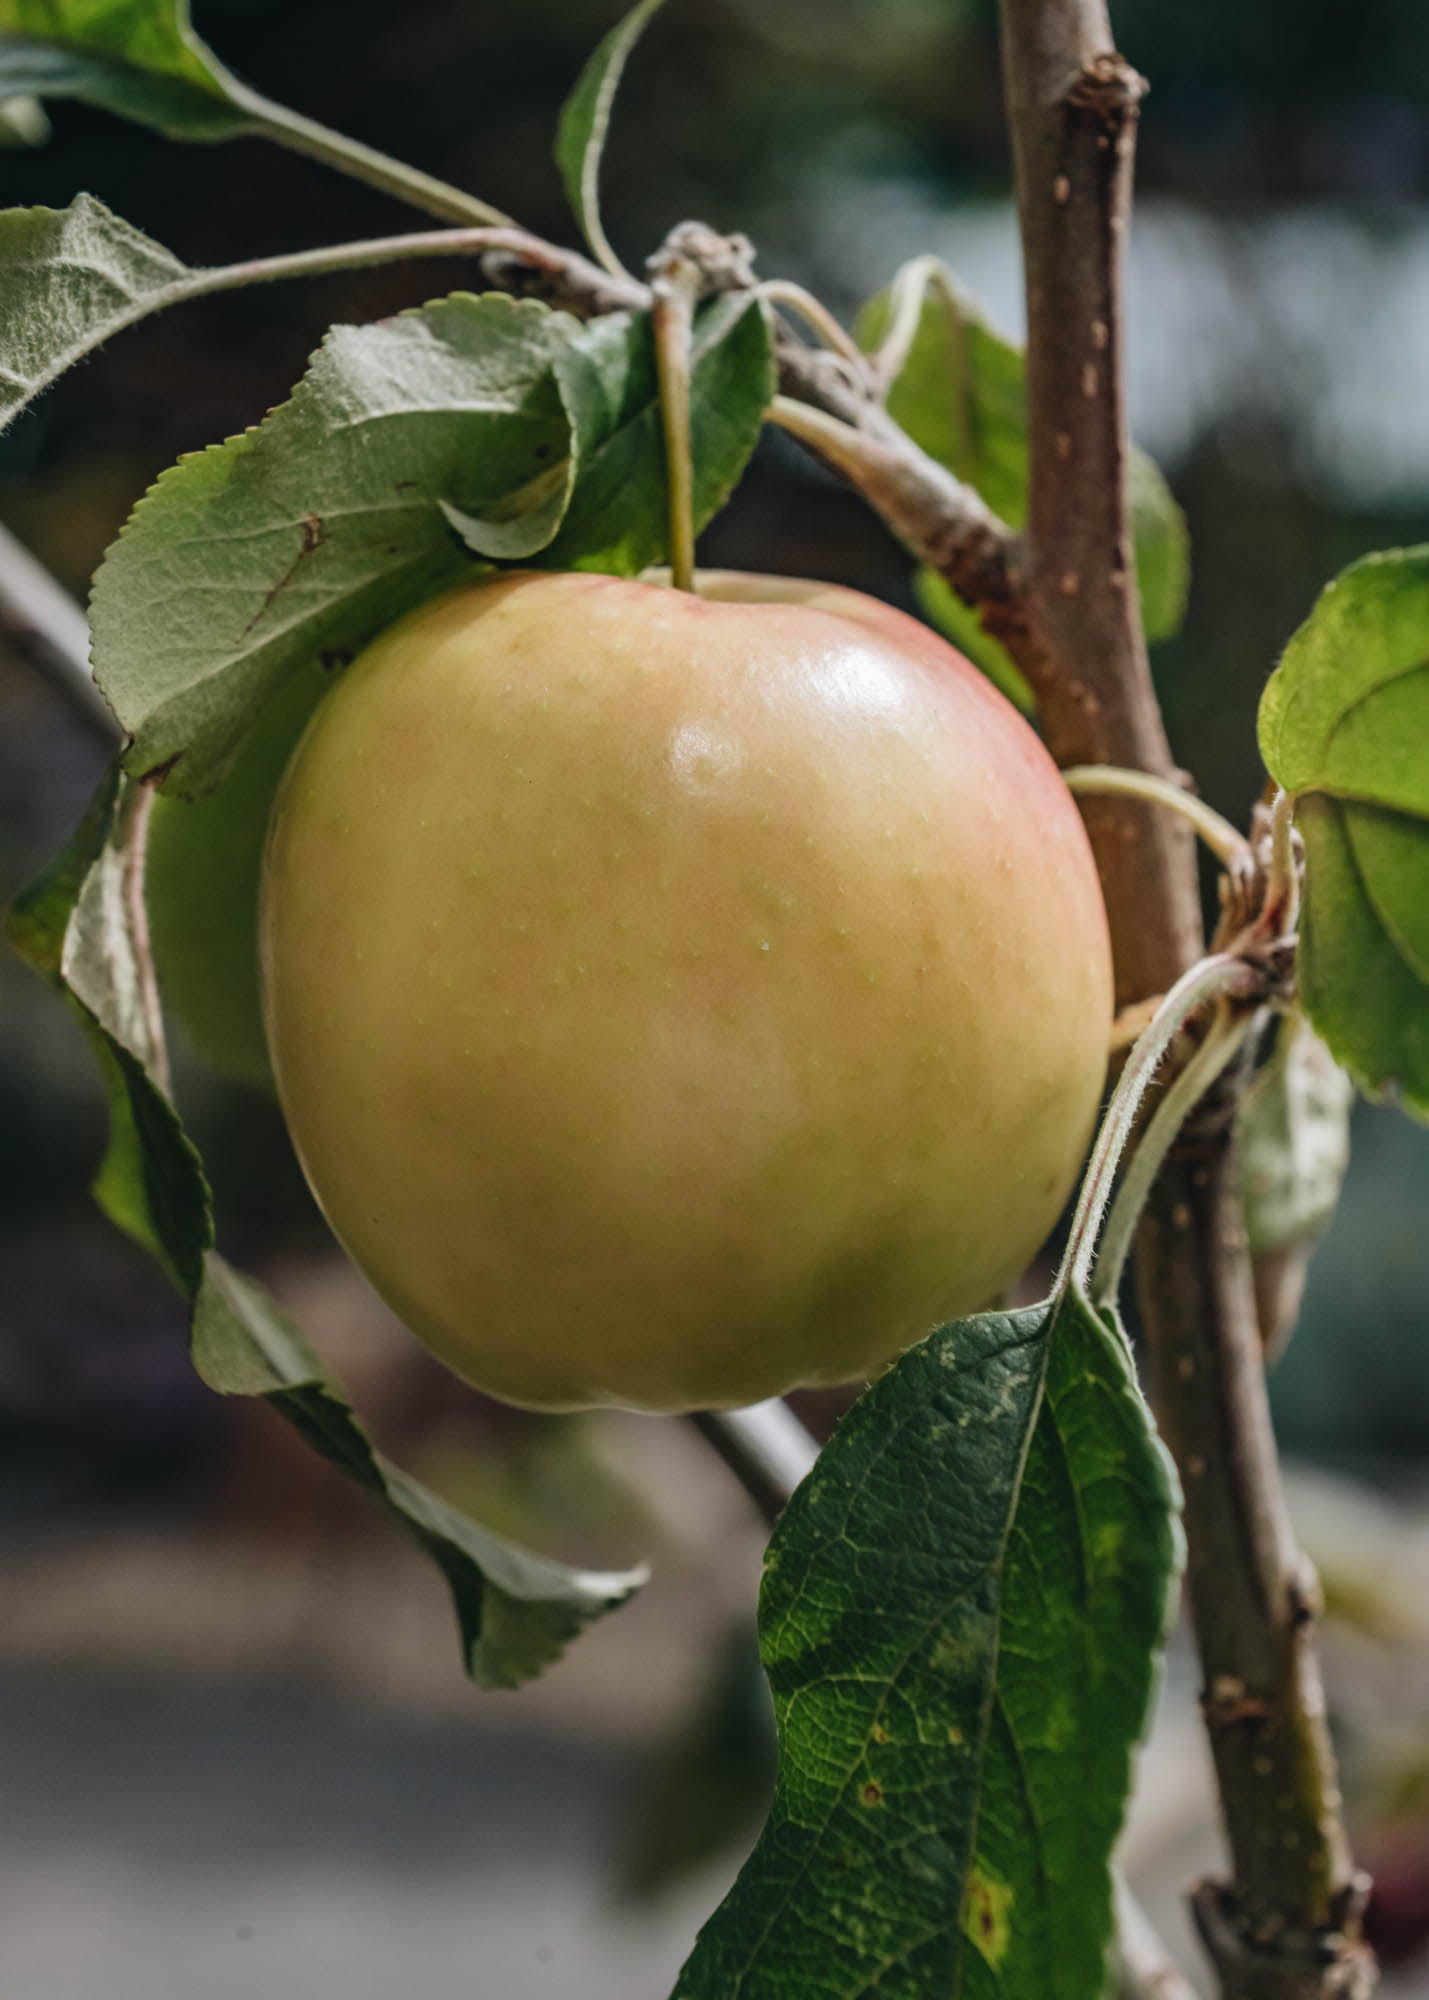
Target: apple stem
x=1223 y=975
x=1225 y=841
x=675 y=284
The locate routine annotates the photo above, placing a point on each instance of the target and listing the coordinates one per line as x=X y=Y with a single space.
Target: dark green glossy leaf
x=1344 y=728
x=961 y=1617
x=139 y=58
x=617 y=519
x=961 y=393
x=585 y=120
x=309 y=534
x=80 y=927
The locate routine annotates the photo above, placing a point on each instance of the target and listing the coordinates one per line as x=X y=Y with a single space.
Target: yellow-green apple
x=675 y=998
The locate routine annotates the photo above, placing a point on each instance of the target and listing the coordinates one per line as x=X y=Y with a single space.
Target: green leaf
x=201 y=885
x=517 y=1612
x=78 y=926
x=1293 y=1141
x=942 y=606
x=584 y=122
x=139 y=58
x=311 y=533
x=1344 y=725
x=961 y=1616
x=617 y=518
x=69 y=278
x=961 y=393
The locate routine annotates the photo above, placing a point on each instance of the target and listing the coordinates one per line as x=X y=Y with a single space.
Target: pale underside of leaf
x=311 y=533
x=69 y=278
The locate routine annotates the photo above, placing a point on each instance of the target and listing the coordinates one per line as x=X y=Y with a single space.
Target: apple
x=678 y=997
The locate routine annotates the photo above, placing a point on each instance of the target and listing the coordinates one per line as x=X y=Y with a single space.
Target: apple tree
x=676 y=985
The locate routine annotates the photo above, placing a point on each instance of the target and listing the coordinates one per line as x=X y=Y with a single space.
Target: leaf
x=69 y=278
x=617 y=520
x=201 y=884
x=23 y=122
x=139 y=58
x=311 y=533
x=960 y=1619
x=1293 y=1141
x=584 y=122
x=517 y=1612
x=942 y=606
x=1344 y=725
x=961 y=394
x=78 y=926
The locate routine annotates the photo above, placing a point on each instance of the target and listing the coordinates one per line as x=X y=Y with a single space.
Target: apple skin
x=677 y=998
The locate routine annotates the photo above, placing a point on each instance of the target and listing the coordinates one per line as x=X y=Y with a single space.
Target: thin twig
x=767 y=1447
x=1145 y=1969
x=45 y=625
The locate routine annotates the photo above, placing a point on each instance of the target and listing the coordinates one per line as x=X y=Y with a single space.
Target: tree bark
x=1288 y=1921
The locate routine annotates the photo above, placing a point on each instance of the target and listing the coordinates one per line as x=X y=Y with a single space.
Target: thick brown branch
x=1287 y=1924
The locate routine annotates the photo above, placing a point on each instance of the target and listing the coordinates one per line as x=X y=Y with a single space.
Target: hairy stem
x=1226 y=842
x=1210 y=979
x=1180 y=1098
x=363 y=163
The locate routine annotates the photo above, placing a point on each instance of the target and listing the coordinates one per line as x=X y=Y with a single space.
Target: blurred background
x=239 y=1757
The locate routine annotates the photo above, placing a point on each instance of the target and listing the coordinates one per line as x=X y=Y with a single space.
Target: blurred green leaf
x=942 y=606
x=139 y=58
x=79 y=926
x=960 y=391
x=311 y=533
x=1293 y=1141
x=1344 y=725
x=585 y=120
x=961 y=1616
x=617 y=520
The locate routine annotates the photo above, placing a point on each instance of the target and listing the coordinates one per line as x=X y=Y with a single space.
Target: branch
x=1289 y=1922
x=47 y=628
x=766 y=1447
